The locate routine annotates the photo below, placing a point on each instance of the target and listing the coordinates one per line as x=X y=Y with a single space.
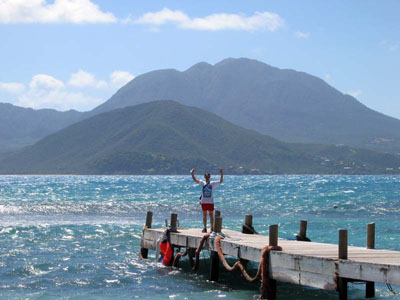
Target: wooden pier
x=318 y=265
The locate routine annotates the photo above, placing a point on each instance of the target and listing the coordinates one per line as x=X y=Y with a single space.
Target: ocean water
x=78 y=237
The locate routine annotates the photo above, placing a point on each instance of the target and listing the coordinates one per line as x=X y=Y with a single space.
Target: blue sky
x=76 y=53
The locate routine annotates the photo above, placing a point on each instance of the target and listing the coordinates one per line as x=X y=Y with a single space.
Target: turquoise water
x=78 y=237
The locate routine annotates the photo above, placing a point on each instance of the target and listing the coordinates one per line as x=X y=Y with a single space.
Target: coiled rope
x=178 y=257
x=237 y=264
x=263 y=268
x=198 y=250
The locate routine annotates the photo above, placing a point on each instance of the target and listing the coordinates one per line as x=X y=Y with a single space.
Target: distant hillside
x=165 y=137
x=23 y=126
x=286 y=104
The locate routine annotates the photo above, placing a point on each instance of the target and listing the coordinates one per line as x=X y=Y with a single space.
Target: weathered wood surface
x=305 y=263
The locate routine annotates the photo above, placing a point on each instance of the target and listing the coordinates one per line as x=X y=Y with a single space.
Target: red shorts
x=207 y=207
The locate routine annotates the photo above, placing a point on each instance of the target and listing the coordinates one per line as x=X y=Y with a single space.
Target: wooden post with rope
x=149 y=218
x=268 y=287
x=342 y=254
x=214 y=258
x=370 y=286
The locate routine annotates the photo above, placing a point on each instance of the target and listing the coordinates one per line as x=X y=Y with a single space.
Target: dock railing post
x=218 y=224
x=273 y=235
x=247 y=227
x=273 y=241
x=214 y=268
x=174 y=222
x=216 y=214
x=342 y=254
x=302 y=236
x=370 y=286
x=149 y=218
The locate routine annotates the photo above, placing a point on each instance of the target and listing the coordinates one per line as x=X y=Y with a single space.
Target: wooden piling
x=273 y=235
x=247 y=227
x=217 y=214
x=218 y=224
x=214 y=258
x=302 y=236
x=342 y=254
x=248 y=220
x=149 y=218
x=371 y=236
x=174 y=222
x=214 y=266
x=369 y=285
x=273 y=241
x=303 y=228
x=192 y=253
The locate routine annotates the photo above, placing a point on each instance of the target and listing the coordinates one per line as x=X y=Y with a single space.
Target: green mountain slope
x=24 y=126
x=286 y=104
x=165 y=137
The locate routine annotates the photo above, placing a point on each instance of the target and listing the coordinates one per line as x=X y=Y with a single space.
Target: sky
x=75 y=54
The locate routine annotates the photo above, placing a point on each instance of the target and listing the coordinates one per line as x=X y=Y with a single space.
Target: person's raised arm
x=194 y=178
x=222 y=176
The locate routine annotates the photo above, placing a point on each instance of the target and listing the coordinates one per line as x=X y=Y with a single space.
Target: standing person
x=207 y=196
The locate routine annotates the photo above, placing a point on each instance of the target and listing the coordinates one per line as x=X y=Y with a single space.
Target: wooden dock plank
x=305 y=263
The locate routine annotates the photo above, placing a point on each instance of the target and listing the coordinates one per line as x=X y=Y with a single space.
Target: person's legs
x=211 y=213
x=205 y=219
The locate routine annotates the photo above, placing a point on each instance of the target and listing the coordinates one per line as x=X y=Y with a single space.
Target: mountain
x=286 y=104
x=24 y=126
x=165 y=137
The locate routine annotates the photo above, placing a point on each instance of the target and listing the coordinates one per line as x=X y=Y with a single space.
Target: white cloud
x=302 y=35
x=44 y=81
x=57 y=11
x=258 y=21
x=120 y=78
x=12 y=87
x=48 y=92
x=85 y=79
x=161 y=17
x=58 y=99
x=355 y=93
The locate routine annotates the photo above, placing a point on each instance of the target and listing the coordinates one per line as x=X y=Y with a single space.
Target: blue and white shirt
x=207 y=191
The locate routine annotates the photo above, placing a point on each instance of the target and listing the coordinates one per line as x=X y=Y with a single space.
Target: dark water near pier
x=78 y=237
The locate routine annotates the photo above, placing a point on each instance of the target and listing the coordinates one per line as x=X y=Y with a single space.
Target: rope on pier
x=265 y=288
x=178 y=257
x=198 y=250
x=263 y=268
x=237 y=264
